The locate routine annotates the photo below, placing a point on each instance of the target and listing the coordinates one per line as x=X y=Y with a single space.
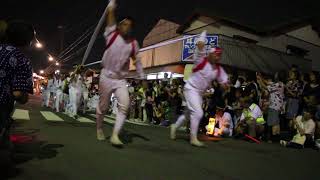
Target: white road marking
x=21 y=114
x=50 y=116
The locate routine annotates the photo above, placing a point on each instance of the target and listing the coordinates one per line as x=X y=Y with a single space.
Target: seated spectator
x=158 y=112
x=235 y=106
x=305 y=129
x=224 y=124
x=251 y=120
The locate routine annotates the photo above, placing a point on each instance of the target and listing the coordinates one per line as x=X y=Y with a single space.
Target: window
x=296 y=51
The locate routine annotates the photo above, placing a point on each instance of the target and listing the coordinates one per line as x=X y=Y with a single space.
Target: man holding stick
x=120 y=48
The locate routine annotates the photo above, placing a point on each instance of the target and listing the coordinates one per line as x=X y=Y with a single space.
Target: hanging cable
x=77 y=42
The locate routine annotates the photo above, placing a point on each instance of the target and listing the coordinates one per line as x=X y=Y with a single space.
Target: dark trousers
x=6 y=164
x=294 y=145
x=149 y=110
x=5 y=123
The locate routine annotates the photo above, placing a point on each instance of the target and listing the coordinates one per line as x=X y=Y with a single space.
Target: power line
x=74 y=54
x=77 y=42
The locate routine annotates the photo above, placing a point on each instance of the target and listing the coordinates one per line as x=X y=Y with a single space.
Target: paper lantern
x=210 y=126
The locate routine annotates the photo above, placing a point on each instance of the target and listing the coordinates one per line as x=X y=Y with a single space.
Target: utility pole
x=61 y=35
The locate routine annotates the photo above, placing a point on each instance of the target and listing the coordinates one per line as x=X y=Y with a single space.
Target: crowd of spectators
x=263 y=106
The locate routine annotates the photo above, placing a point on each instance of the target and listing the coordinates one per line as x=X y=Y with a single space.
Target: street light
x=39 y=45
x=41 y=71
x=57 y=63
x=51 y=58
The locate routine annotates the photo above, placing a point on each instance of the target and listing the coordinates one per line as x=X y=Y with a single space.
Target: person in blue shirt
x=15 y=72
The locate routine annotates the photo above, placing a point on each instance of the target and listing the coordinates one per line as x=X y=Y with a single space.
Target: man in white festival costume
x=120 y=48
x=206 y=71
x=199 y=53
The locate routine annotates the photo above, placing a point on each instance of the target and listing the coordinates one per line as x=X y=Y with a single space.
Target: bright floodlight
x=57 y=63
x=38 y=45
x=41 y=71
x=51 y=58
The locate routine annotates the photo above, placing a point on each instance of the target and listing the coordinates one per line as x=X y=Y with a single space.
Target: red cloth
x=201 y=65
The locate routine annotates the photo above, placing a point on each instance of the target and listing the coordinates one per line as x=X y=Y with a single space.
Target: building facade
x=243 y=47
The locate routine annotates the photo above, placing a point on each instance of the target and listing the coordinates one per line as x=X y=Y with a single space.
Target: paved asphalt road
x=69 y=150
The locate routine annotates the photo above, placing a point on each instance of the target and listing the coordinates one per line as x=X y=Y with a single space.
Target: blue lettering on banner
x=189 y=45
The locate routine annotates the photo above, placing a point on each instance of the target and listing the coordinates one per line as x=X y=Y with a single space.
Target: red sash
x=201 y=65
x=114 y=37
x=204 y=63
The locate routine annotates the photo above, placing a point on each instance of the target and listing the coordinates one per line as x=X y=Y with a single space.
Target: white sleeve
x=198 y=56
x=256 y=112
x=108 y=31
x=227 y=118
x=309 y=127
x=223 y=76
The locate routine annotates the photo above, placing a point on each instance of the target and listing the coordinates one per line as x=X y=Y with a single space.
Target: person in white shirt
x=200 y=80
x=305 y=127
x=199 y=53
x=120 y=48
x=58 y=83
x=85 y=92
x=49 y=91
x=223 y=122
x=75 y=93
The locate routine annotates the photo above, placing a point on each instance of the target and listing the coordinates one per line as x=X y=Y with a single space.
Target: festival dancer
x=65 y=90
x=58 y=83
x=49 y=91
x=120 y=47
x=199 y=53
x=75 y=91
x=85 y=93
x=200 y=80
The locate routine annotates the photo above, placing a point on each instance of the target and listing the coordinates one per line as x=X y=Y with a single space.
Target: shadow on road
x=25 y=147
x=128 y=137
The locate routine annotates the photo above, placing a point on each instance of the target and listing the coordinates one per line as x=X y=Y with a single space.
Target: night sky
x=77 y=16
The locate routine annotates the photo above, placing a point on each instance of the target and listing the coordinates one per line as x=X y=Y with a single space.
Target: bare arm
x=111 y=19
x=300 y=129
x=262 y=83
x=200 y=46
